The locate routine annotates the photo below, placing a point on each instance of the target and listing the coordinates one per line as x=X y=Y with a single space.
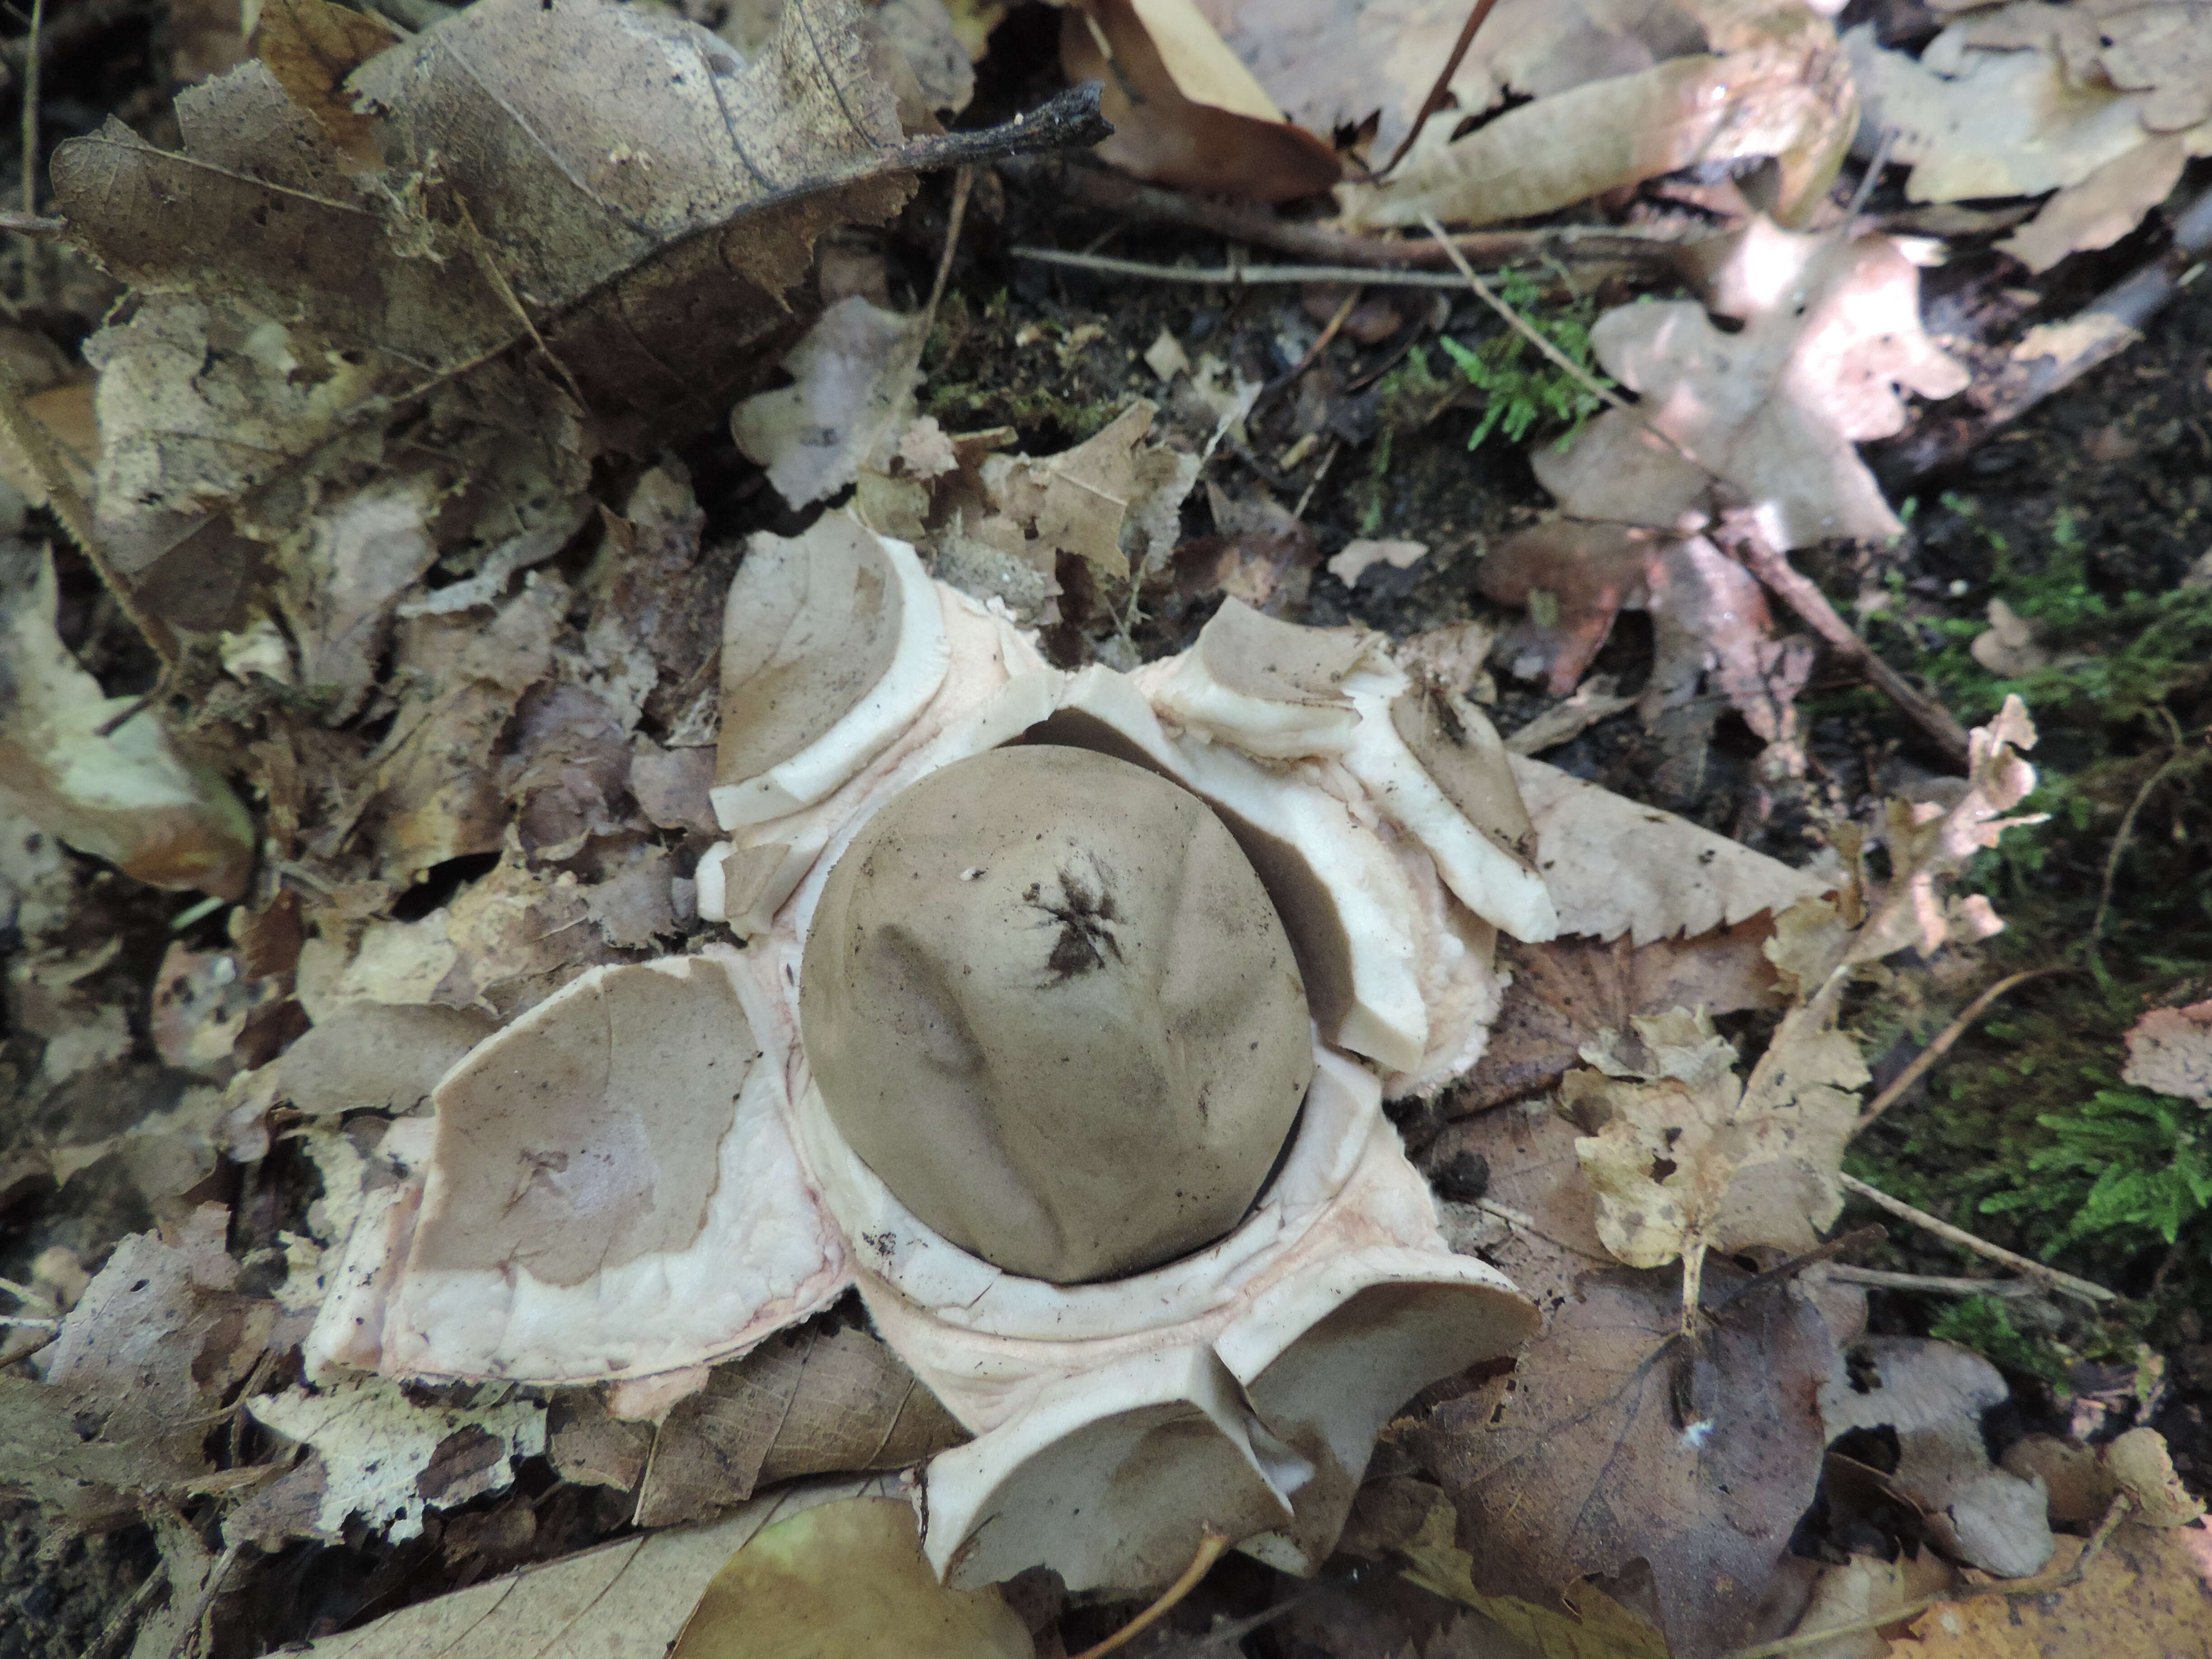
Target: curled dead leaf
x=126 y=794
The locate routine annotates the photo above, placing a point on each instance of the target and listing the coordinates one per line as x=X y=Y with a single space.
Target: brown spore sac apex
x=1048 y=1001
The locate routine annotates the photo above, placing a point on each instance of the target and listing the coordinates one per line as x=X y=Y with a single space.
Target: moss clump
x=1521 y=388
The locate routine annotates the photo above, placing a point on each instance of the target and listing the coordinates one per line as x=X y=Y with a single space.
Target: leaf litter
x=371 y=494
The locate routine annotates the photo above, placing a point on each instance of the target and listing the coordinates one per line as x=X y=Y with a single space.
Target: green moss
x=1522 y=389
x=1985 y=1324
x=2124 y=1167
x=2164 y=640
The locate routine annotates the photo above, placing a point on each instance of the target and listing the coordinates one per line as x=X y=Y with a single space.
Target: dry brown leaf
x=312 y=46
x=2165 y=50
x=2170 y=1050
x=338 y=589
x=1830 y=331
x=126 y=795
x=1586 y=1624
x=1932 y=1396
x=1112 y=500
x=1339 y=67
x=1774 y=84
x=1615 y=866
x=151 y=1351
x=433 y=789
x=2148 y=1592
x=2108 y=204
x=656 y=622
x=850 y=400
x=1522 y=1158
x=1708 y=618
x=1564 y=993
x=808 y=1403
x=1976 y=122
x=1204 y=122
x=1616 y=1440
x=66 y=412
x=611 y=191
x=627 y=1599
x=2141 y=1464
x=1852 y=1592
x=1930 y=843
x=1685 y=1159
x=846 y=1578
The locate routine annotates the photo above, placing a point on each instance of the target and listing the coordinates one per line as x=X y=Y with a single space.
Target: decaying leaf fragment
x=2170 y=1050
x=1685 y=1159
x=850 y=401
x=1185 y=109
x=2107 y=101
x=1618 y=1438
x=627 y=1600
x=150 y=1350
x=808 y=1403
x=126 y=795
x=576 y=201
x=1567 y=992
x=1831 y=333
x=1973 y=118
x=389 y=1458
x=1773 y=83
x=1932 y=1395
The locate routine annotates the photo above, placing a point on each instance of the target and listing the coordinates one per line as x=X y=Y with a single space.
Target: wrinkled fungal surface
x=1048 y=1000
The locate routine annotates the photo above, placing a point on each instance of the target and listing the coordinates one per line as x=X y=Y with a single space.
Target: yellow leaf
x=2148 y=1592
x=846 y=1581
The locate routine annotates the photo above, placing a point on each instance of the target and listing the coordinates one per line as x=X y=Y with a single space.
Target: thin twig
x=203 y=1602
x=488 y=262
x=1209 y=1551
x=1872 y=176
x=2058 y=1581
x=1440 y=90
x=139 y=705
x=1238 y=276
x=964 y=180
x=1881 y=1279
x=1787 y=583
x=1529 y=332
x=1306 y=495
x=1284 y=382
x=1087 y=186
x=31 y=110
x=2065 y=1284
x=120 y=1628
x=2179 y=760
x=1941 y=1046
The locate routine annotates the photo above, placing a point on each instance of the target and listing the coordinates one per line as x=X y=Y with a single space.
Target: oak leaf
x=1830 y=331
x=1685 y=1159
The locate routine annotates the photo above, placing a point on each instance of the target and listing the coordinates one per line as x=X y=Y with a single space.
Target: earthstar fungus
x=1061 y=1027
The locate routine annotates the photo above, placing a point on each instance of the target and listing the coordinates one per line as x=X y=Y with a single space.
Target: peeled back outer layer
x=831 y=644
x=1048 y=999
x=1238 y=1386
